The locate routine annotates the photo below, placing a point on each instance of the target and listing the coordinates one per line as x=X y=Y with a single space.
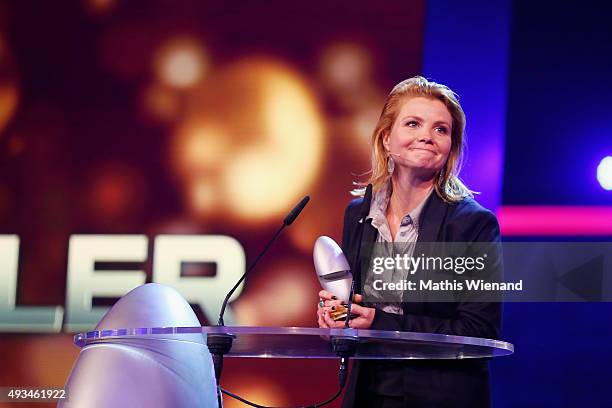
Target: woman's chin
x=421 y=170
x=420 y=165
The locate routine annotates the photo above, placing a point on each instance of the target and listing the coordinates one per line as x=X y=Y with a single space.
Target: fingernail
x=334 y=298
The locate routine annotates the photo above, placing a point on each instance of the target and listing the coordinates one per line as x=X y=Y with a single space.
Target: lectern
x=169 y=364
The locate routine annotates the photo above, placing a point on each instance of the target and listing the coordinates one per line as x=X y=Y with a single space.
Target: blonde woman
x=417 y=148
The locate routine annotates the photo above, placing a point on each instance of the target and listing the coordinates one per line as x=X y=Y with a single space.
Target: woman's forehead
x=425 y=108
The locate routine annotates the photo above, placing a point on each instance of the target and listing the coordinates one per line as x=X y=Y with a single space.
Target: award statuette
x=333 y=272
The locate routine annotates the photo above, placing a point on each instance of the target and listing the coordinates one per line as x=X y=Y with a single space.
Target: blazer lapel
x=369 y=238
x=369 y=233
x=432 y=218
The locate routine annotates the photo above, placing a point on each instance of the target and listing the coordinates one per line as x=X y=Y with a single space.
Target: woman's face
x=421 y=135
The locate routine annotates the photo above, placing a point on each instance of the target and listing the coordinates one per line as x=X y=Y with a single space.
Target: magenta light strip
x=552 y=220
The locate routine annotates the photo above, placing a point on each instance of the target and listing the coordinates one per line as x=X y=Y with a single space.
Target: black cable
x=239 y=398
x=336 y=395
x=252 y=404
x=342 y=379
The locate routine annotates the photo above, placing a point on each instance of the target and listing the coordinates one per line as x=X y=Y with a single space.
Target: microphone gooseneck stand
x=219 y=344
x=364 y=210
x=345 y=347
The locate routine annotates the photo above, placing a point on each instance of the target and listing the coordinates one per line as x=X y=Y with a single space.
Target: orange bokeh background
x=189 y=117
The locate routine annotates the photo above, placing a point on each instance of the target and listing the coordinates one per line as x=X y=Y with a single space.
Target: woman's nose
x=425 y=137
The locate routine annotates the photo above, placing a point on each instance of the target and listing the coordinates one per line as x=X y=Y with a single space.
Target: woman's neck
x=408 y=192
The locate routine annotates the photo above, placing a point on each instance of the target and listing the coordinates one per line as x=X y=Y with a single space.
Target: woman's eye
x=442 y=129
x=412 y=123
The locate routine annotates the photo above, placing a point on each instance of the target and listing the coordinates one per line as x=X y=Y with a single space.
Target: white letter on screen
x=21 y=318
x=85 y=283
x=208 y=292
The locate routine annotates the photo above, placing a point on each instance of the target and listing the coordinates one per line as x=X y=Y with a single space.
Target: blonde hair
x=447 y=185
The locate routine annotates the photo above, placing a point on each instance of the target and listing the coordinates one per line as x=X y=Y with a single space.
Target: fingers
x=320 y=320
x=329 y=309
x=331 y=299
x=331 y=323
x=358 y=309
x=325 y=295
x=328 y=302
x=364 y=317
x=326 y=322
x=366 y=312
x=334 y=303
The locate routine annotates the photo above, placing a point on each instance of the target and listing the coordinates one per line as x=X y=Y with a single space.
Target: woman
x=417 y=148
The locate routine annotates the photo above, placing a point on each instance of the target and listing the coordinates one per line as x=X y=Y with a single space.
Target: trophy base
x=340 y=313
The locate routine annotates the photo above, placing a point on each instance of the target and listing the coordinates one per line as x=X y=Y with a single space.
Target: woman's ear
x=385 y=140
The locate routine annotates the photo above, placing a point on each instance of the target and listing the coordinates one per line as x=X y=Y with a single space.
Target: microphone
x=286 y=222
x=220 y=343
x=363 y=213
x=296 y=211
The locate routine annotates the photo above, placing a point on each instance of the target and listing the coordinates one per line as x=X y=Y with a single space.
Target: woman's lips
x=423 y=150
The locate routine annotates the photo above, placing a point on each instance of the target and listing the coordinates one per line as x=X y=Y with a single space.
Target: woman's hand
x=328 y=302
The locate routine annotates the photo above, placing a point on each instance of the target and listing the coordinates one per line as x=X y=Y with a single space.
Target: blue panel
x=546 y=68
x=558 y=104
x=466 y=48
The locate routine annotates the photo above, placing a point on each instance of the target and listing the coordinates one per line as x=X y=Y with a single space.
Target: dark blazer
x=428 y=383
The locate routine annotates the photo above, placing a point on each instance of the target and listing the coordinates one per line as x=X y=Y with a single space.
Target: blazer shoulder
x=473 y=221
x=353 y=207
x=472 y=209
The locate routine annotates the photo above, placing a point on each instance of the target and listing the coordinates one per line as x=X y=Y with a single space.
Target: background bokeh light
x=180 y=62
x=252 y=131
x=604 y=173
x=9 y=92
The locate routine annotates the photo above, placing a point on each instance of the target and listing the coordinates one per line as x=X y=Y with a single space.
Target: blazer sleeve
x=474 y=319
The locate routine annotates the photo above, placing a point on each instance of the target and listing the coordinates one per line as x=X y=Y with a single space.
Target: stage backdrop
x=128 y=129
x=124 y=123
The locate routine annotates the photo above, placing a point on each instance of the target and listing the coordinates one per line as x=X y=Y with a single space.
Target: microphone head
x=332 y=268
x=296 y=211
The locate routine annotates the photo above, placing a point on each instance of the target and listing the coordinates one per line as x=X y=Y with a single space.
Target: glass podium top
x=307 y=342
